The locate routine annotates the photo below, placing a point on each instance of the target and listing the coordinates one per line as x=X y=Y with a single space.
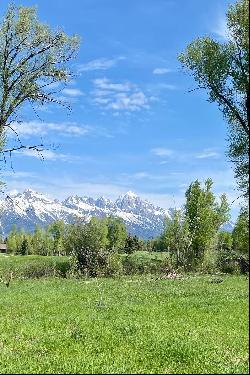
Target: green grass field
x=126 y=325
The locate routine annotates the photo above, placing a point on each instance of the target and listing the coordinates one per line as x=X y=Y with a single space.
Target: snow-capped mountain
x=30 y=208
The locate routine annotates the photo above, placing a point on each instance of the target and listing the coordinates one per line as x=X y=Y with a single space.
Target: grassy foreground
x=130 y=325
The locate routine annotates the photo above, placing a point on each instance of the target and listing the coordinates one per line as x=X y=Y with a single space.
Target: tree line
x=192 y=237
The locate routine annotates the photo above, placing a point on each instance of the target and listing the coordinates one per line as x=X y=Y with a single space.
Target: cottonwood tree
x=222 y=69
x=117 y=233
x=241 y=233
x=175 y=237
x=33 y=61
x=204 y=216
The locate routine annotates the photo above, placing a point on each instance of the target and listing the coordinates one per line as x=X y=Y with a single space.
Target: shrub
x=144 y=262
x=114 y=265
x=24 y=267
x=228 y=262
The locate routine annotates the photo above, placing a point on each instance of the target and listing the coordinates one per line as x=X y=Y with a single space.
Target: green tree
x=225 y=241
x=204 y=216
x=88 y=244
x=117 y=233
x=33 y=58
x=176 y=238
x=241 y=233
x=12 y=240
x=132 y=244
x=24 y=248
x=38 y=243
x=56 y=230
x=222 y=69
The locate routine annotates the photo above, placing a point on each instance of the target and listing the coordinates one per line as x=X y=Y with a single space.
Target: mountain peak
x=30 y=208
x=131 y=194
x=29 y=193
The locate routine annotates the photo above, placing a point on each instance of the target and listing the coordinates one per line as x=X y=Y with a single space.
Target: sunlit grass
x=130 y=325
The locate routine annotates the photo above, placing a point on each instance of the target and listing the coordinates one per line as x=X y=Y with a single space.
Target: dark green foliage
x=132 y=244
x=24 y=250
x=228 y=261
x=141 y=262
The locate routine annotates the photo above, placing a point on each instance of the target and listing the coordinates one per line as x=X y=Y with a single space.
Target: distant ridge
x=29 y=208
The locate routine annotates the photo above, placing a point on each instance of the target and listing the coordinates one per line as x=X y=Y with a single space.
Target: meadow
x=130 y=324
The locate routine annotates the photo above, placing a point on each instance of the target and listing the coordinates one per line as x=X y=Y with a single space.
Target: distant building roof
x=3 y=246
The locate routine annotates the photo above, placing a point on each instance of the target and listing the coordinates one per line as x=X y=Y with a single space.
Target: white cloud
x=106 y=84
x=18 y=174
x=133 y=102
x=99 y=64
x=160 y=151
x=124 y=96
x=167 y=86
x=221 y=29
x=45 y=155
x=161 y=71
x=28 y=129
x=72 y=92
x=141 y=175
x=207 y=153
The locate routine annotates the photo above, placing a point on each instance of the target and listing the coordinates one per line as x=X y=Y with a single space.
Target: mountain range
x=29 y=208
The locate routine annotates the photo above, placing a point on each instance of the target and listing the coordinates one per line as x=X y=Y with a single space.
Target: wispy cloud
x=31 y=128
x=106 y=84
x=221 y=29
x=99 y=64
x=207 y=153
x=45 y=155
x=18 y=174
x=161 y=71
x=119 y=96
x=160 y=151
x=72 y=92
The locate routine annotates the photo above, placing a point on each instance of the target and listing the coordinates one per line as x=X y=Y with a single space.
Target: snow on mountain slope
x=30 y=208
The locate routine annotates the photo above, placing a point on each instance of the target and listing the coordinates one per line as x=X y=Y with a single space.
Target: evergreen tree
x=132 y=244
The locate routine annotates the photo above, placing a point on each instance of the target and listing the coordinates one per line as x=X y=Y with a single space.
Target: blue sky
x=134 y=125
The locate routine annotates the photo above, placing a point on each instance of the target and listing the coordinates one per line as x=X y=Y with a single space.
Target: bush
x=228 y=262
x=209 y=263
x=24 y=267
x=144 y=262
x=114 y=265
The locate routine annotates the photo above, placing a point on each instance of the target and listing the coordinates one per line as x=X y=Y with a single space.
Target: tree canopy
x=33 y=60
x=222 y=69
